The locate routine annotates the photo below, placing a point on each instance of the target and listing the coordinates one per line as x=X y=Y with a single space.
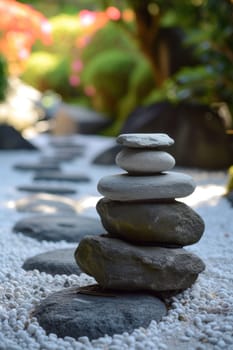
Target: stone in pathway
x=36 y=166
x=55 y=262
x=70 y=228
x=93 y=312
x=46 y=203
x=60 y=176
x=47 y=189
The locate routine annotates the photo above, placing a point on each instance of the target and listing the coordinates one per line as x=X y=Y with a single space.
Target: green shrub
x=111 y=36
x=39 y=67
x=109 y=74
x=46 y=71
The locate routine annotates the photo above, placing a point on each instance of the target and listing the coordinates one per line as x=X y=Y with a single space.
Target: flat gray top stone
x=70 y=228
x=124 y=187
x=77 y=312
x=54 y=262
x=145 y=140
x=47 y=189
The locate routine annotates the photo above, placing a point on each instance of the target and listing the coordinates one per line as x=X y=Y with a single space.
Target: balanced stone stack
x=147 y=227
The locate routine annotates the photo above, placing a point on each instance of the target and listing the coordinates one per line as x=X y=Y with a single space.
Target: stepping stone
x=46 y=203
x=55 y=262
x=65 y=143
x=70 y=228
x=59 y=176
x=145 y=140
x=47 y=189
x=119 y=265
x=124 y=187
x=92 y=312
x=141 y=161
x=169 y=224
x=36 y=166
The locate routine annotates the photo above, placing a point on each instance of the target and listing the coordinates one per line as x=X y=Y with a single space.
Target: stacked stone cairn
x=147 y=227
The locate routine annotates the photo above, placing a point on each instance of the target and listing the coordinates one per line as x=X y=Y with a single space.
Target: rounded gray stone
x=46 y=203
x=124 y=187
x=116 y=264
x=55 y=262
x=75 y=312
x=60 y=176
x=172 y=223
x=70 y=228
x=141 y=161
x=47 y=189
x=145 y=140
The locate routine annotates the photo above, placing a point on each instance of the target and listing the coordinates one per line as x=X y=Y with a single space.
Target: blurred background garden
x=124 y=60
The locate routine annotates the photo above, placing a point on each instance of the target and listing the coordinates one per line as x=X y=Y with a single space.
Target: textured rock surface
x=123 y=187
x=55 y=262
x=69 y=313
x=171 y=223
x=71 y=228
x=142 y=161
x=47 y=189
x=116 y=264
x=145 y=140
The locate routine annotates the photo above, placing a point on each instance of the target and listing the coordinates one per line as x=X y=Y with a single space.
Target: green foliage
x=141 y=83
x=209 y=30
x=109 y=74
x=111 y=36
x=47 y=71
x=3 y=78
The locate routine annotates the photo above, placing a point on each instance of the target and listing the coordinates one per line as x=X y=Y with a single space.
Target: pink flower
x=77 y=66
x=74 y=80
x=113 y=13
x=89 y=90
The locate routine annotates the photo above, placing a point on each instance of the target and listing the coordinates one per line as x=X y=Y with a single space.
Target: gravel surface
x=198 y=319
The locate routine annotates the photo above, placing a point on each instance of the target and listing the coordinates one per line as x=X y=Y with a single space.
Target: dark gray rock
x=11 y=139
x=198 y=130
x=60 y=176
x=171 y=223
x=46 y=203
x=37 y=166
x=47 y=189
x=55 y=262
x=75 y=312
x=116 y=264
x=70 y=228
x=199 y=133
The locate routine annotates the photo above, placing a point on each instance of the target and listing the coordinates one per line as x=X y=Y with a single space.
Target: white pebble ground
x=200 y=318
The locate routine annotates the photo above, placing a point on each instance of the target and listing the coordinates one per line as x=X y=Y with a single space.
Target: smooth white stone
x=145 y=140
x=144 y=161
x=124 y=187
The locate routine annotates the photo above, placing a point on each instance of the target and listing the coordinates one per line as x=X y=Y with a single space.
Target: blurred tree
x=20 y=27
